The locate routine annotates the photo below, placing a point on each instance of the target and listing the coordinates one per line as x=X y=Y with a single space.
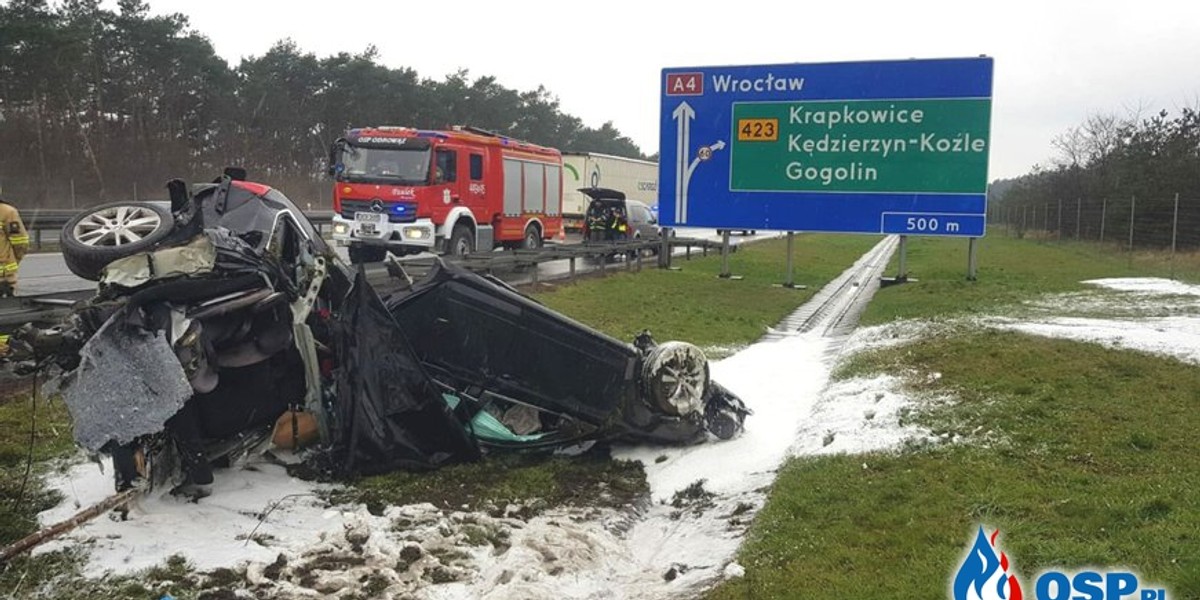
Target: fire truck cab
x=456 y=191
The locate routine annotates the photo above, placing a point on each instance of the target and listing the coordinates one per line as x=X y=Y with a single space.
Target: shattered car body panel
x=243 y=313
x=131 y=384
x=192 y=259
x=390 y=414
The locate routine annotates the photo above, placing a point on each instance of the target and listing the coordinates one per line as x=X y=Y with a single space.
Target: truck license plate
x=368 y=222
x=369 y=217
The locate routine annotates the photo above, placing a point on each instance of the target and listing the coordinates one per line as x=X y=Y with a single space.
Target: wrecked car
x=224 y=320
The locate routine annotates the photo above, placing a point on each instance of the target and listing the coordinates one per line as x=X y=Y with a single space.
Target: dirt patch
x=508 y=485
x=12 y=387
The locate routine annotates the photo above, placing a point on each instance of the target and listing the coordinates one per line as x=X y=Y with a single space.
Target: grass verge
x=22 y=495
x=49 y=438
x=694 y=305
x=1010 y=270
x=1080 y=454
x=1091 y=463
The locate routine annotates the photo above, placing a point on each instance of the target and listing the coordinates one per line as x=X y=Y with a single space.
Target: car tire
x=461 y=241
x=532 y=239
x=724 y=423
x=363 y=254
x=101 y=234
x=675 y=378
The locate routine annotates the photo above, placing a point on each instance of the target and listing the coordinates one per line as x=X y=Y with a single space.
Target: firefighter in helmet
x=13 y=246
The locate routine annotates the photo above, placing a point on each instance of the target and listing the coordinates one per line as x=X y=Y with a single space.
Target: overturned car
x=224 y=320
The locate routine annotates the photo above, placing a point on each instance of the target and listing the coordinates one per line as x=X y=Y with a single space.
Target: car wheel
x=675 y=378
x=724 y=423
x=363 y=254
x=533 y=237
x=461 y=241
x=99 y=235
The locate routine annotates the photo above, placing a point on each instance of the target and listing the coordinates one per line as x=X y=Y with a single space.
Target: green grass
x=51 y=439
x=1080 y=454
x=1095 y=464
x=693 y=305
x=62 y=571
x=1009 y=270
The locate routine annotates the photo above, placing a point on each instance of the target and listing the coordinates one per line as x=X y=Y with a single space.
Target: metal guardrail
x=603 y=254
x=40 y=220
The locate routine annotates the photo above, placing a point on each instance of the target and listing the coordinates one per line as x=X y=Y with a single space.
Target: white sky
x=1056 y=61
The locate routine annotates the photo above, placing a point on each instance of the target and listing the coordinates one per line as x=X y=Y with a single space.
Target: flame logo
x=983 y=574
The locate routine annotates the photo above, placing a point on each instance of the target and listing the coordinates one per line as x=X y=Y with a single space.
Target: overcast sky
x=1056 y=61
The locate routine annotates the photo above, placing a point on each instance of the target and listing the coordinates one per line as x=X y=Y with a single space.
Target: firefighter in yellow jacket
x=13 y=246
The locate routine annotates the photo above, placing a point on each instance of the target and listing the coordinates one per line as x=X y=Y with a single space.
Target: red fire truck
x=456 y=191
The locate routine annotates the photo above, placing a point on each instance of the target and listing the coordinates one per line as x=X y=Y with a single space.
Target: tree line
x=97 y=104
x=1116 y=157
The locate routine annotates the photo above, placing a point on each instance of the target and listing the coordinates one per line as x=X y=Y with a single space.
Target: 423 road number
x=757 y=130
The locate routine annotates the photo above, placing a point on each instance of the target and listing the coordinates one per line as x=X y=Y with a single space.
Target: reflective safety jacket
x=14 y=240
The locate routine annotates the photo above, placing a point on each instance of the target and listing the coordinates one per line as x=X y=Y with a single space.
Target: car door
x=634 y=219
x=446 y=175
x=646 y=227
x=476 y=197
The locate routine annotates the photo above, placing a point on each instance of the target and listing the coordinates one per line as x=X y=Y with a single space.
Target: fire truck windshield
x=407 y=166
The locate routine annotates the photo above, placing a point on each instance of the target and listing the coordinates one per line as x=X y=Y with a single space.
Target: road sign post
x=664 y=249
x=901 y=265
x=725 y=274
x=889 y=147
x=791 y=242
x=972 y=258
x=790 y=282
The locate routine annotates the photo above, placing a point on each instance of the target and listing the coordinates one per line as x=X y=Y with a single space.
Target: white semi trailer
x=637 y=178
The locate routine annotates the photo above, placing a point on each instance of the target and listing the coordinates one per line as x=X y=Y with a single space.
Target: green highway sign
x=929 y=146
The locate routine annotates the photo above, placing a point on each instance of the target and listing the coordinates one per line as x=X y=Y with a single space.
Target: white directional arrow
x=683 y=114
x=687 y=175
x=695 y=161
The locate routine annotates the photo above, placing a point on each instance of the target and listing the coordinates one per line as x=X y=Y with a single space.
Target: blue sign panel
x=869 y=147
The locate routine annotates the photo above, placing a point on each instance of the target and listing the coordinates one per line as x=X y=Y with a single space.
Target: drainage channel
x=834 y=311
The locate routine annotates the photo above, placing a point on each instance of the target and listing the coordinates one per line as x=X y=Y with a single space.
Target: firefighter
x=13 y=247
x=618 y=226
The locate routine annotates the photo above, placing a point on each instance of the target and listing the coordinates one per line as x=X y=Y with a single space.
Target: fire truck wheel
x=461 y=241
x=533 y=237
x=362 y=254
